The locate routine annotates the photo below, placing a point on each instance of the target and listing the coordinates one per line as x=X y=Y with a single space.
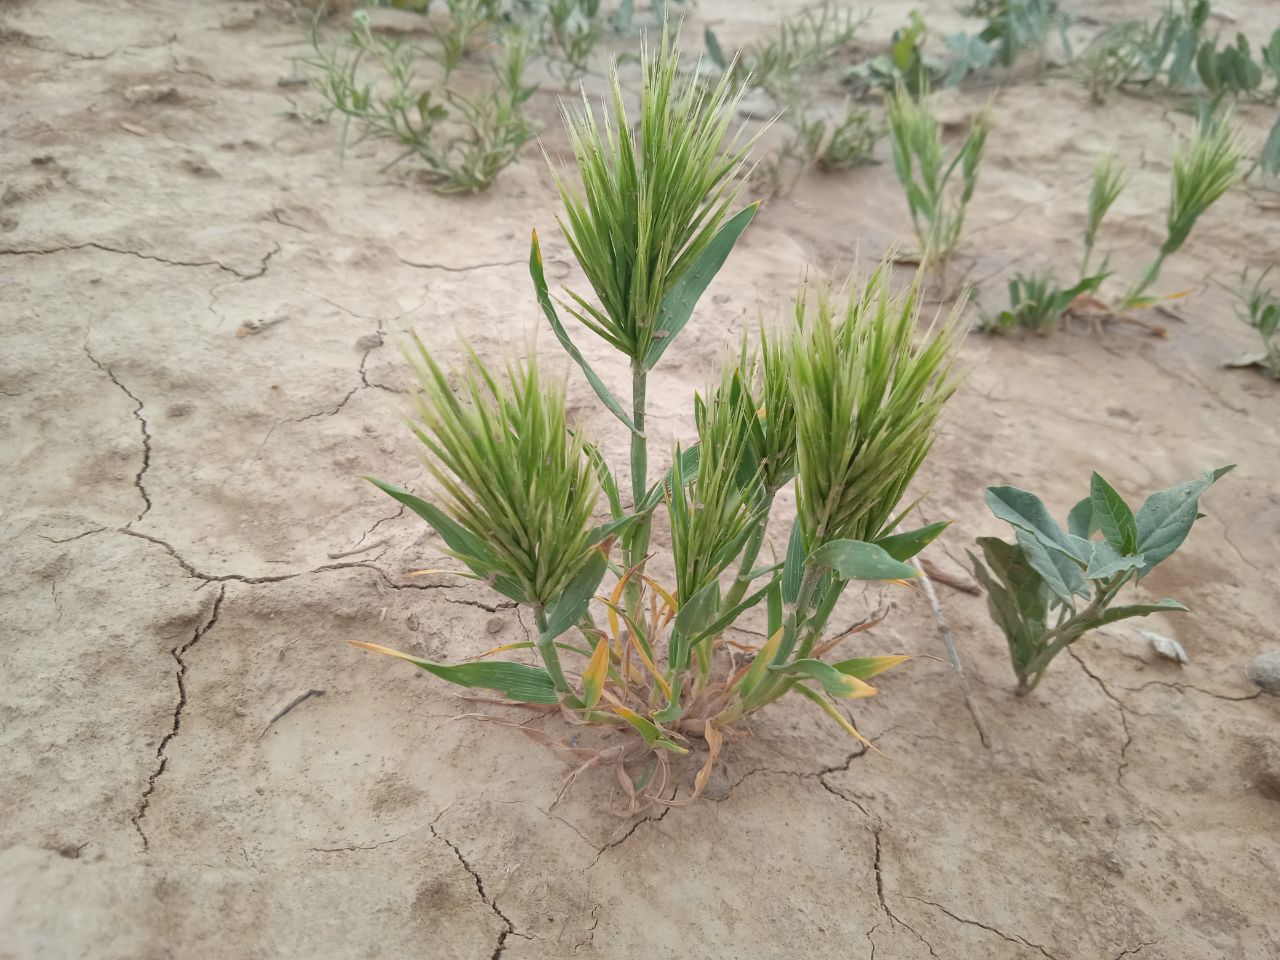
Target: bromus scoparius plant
x=1203 y=170
x=1037 y=301
x=925 y=171
x=840 y=400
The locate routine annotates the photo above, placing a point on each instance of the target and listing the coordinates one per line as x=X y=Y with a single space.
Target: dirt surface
x=175 y=496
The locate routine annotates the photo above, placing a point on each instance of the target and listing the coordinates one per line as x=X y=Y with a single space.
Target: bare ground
x=182 y=509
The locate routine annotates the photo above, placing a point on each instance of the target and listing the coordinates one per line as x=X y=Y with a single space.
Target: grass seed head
x=867 y=399
x=651 y=196
x=511 y=471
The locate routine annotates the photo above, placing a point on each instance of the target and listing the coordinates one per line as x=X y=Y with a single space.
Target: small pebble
x=495 y=625
x=1264 y=670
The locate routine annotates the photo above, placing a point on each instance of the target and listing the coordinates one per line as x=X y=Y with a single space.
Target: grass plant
x=1037 y=301
x=842 y=400
x=1259 y=307
x=1203 y=170
x=938 y=186
x=783 y=67
x=463 y=139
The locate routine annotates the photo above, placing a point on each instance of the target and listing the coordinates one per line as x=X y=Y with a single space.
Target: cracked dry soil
x=187 y=543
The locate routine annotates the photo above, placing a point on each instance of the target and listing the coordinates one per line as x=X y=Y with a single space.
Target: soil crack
x=351 y=848
x=93 y=244
x=162 y=758
x=480 y=604
x=508 y=928
x=142 y=423
x=1182 y=687
x=464 y=269
x=884 y=901
x=627 y=836
x=1124 y=718
x=195 y=574
x=78 y=536
x=1132 y=950
x=984 y=926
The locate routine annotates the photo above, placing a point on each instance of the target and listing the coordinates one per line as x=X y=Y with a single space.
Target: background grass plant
x=463 y=139
x=1259 y=307
x=938 y=186
x=1203 y=170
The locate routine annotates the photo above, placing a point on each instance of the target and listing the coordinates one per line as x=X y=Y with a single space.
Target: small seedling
x=804 y=43
x=1136 y=51
x=1268 y=160
x=1108 y=181
x=842 y=402
x=464 y=139
x=1229 y=72
x=1259 y=307
x=937 y=205
x=783 y=67
x=829 y=143
x=1203 y=171
x=570 y=30
x=1036 y=301
x=1013 y=28
x=1052 y=586
x=1114 y=57
x=849 y=140
x=906 y=64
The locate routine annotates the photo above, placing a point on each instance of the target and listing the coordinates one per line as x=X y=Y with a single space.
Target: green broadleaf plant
x=1052 y=586
x=1259 y=307
x=841 y=399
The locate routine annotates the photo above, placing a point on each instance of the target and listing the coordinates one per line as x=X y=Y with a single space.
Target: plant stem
x=550 y=656
x=773 y=686
x=1069 y=631
x=749 y=555
x=639 y=445
x=1148 y=278
x=636 y=544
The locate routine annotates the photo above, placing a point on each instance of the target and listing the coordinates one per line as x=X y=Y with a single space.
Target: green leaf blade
x=548 y=308
x=858 y=560
x=678 y=303
x=1113 y=516
x=904 y=546
x=1165 y=519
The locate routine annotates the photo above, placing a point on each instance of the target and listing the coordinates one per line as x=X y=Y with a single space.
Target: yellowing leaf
x=593 y=677
x=521 y=645
x=835 y=714
x=867 y=667
x=756 y=673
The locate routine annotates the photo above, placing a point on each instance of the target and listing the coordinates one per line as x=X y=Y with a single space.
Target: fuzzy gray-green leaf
x=1061 y=574
x=1112 y=515
x=1166 y=518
